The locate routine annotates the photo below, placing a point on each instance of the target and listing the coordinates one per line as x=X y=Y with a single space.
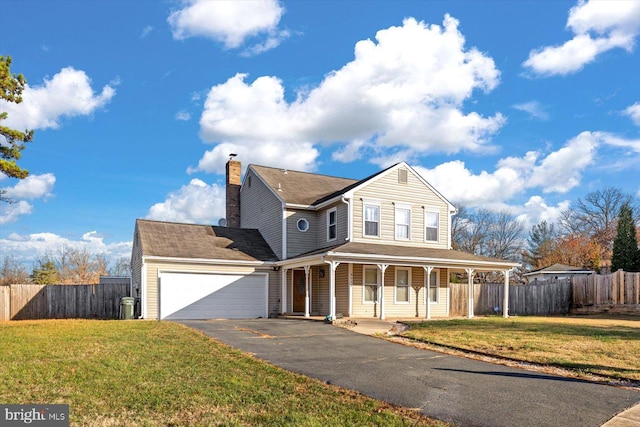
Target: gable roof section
x=300 y=188
x=175 y=240
x=309 y=189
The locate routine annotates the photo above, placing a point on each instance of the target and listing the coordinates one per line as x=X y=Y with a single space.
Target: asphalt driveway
x=450 y=388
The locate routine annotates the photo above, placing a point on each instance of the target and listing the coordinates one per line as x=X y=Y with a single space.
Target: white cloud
x=557 y=172
x=534 y=109
x=31 y=188
x=196 y=202
x=29 y=248
x=146 y=31
x=633 y=111
x=11 y=212
x=404 y=92
x=67 y=94
x=598 y=26
x=616 y=141
x=231 y=22
x=184 y=116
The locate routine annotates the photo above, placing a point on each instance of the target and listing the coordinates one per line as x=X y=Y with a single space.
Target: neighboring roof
x=414 y=253
x=559 y=268
x=175 y=240
x=301 y=188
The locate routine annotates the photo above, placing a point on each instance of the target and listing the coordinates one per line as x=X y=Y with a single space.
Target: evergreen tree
x=45 y=274
x=11 y=140
x=542 y=243
x=626 y=255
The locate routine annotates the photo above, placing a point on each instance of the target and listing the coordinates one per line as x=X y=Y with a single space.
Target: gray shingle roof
x=301 y=188
x=175 y=240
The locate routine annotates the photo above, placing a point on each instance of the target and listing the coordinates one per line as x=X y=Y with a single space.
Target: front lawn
x=159 y=373
x=596 y=345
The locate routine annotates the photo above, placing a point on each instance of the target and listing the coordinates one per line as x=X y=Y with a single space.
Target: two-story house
x=308 y=244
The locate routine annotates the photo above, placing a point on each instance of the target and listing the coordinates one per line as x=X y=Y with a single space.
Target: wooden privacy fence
x=22 y=302
x=618 y=292
x=584 y=294
x=549 y=297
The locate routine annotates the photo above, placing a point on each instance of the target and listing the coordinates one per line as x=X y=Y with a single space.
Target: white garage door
x=212 y=296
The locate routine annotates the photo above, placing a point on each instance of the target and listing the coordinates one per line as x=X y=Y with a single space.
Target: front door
x=298 y=291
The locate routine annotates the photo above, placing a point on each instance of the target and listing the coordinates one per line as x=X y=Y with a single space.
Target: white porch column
x=470 y=299
x=333 y=265
x=428 y=271
x=505 y=296
x=383 y=268
x=307 y=278
x=283 y=298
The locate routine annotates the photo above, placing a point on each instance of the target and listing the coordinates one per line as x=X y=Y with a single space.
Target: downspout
x=143 y=290
x=350 y=210
x=284 y=231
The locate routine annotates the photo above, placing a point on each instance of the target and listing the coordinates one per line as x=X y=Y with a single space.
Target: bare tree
x=596 y=216
x=79 y=266
x=122 y=267
x=13 y=272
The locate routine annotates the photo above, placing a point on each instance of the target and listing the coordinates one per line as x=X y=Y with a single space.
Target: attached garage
x=212 y=296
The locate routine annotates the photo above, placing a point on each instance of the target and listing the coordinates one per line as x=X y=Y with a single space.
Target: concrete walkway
x=463 y=391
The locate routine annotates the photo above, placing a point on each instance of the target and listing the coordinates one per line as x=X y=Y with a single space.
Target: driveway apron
x=450 y=388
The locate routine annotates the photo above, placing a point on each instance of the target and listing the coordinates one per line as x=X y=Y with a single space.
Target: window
x=403 y=278
x=432 y=224
x=403 y=221
x=370 y=292
x=303 y=225
x=372 y=220
x=332 y=224
x=433 y=288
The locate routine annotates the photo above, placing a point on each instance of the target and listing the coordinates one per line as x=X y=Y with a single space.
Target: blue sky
x=524 y=105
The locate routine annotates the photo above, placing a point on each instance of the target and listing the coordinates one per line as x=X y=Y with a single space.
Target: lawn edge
x=621 y=382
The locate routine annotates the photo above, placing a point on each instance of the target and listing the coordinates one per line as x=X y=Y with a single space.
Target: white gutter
x=208 y=261
x=284 y=231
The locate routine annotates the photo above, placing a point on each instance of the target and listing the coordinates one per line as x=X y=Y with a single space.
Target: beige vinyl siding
x=342 y=211
x=153 y=267
x=388 y=191
x=261 y=209
x=400 y=310
x=342 y=289
x=299 y=242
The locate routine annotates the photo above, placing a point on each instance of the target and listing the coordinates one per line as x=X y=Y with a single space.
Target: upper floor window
x=432 y=225
x=372 y=220
x=332 y=224
x=403 y=222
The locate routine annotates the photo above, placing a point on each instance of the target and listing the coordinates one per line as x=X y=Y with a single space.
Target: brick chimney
x=234 y=171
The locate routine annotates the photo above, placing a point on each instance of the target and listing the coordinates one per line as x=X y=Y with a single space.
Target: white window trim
x=409 y=288
x=395 y=227
x=376 y=203
x=329 y=224
x=432 y=211
x=364 y=284
x=437 y=301
x=298 y=225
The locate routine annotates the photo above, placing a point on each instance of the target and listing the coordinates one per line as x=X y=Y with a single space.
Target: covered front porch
x=366 y=281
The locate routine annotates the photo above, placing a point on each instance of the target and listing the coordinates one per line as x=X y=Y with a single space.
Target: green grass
x=593 y=345
x=157 y=373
